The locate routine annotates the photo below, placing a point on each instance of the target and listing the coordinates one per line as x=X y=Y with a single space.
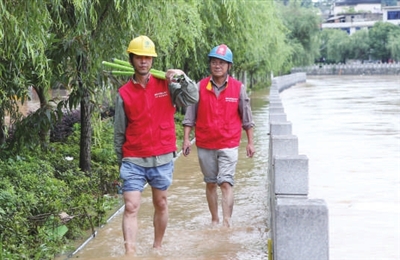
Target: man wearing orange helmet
x=220 y=115
x=145 y=138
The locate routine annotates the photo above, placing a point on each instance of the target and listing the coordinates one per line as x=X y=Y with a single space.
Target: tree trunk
x=2 y=129
x=44 y=132
x=86 y=125
x=86 y=134
x=251 y=80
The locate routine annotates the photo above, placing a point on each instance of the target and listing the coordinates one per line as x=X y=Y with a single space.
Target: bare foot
x=157 y=250
x=157 y=246
x=129 y=249
x=214 y=221
x=226 y=223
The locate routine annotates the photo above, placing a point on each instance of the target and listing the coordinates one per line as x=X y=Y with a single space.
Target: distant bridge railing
x=351 y=69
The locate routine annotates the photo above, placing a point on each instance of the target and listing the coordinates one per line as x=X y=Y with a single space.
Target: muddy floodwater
x=349 y=128
x=189 y=234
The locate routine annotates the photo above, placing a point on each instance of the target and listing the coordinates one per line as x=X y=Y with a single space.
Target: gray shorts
x=218 y=166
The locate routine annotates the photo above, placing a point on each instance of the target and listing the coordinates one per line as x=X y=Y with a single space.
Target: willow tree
x=359 y=45
x=261 y=48
x=72 y=38
x=23 y=63
x=303 y=24
x=88 y=32
x=222 y=25
x=93 y=31
x=394 y=45
x=257 y=44
x=177 y=31
x=380 y=36
x=337 y=45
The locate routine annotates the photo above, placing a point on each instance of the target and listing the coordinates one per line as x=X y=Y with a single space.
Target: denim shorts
x=135 y=177
x=218 y=166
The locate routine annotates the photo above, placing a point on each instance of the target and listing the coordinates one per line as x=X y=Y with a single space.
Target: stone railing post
x=299 y=224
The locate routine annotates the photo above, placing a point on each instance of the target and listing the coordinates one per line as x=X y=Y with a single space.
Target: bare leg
x=227 y=203
x=129 y=220
x=212 y=199
x=160 y=219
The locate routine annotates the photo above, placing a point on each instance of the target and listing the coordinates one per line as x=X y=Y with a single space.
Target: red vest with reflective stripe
x=150 y=113
x=218 y=124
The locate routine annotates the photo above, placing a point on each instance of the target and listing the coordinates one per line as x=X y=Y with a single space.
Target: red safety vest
x=218 y=124
x=150 y=113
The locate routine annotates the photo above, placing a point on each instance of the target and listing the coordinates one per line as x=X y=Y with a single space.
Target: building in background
x=354 y=15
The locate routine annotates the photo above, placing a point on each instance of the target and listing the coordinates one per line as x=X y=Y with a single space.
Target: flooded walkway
x=189 y=234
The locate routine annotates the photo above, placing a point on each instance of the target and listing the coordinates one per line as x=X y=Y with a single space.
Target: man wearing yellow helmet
x=145 y=138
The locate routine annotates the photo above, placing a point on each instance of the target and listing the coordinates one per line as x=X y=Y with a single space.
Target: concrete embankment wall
x=351 y=69
x=299 y=225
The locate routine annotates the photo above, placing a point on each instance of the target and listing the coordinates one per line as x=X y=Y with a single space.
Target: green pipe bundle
x=124 y=68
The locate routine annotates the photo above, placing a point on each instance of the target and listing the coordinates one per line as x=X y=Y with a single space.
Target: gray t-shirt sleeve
x=245 y=109
x=120 y=123
x=191 y=113
x=184 y=93
x=190 y=116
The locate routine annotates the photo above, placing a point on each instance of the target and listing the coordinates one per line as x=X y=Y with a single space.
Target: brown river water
x=347 y=126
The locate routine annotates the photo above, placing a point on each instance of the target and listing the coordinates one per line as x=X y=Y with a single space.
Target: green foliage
x=179 y=128
x=303 y=25
x=40 y=123
x=359 y=46
x=23 y=56
x=62 y=43
x=334 y=45
x=380 y=42
x=380 y=37
x=27 y=186
x=394 y=45
x=38 y=185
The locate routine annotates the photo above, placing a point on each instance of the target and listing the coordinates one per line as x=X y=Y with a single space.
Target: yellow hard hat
x=142 y=46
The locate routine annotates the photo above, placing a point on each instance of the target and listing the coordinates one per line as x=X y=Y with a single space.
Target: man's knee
x=131 y=208
x=160 y=200
x=211 y=186
x=160 y=204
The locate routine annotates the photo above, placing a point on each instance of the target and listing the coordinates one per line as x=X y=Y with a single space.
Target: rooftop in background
x=354 y=15
x=356 y=2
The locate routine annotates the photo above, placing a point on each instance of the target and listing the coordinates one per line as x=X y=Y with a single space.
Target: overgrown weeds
x=46 y=202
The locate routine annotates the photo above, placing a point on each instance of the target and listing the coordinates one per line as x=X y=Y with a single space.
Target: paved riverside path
x=189 y=234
